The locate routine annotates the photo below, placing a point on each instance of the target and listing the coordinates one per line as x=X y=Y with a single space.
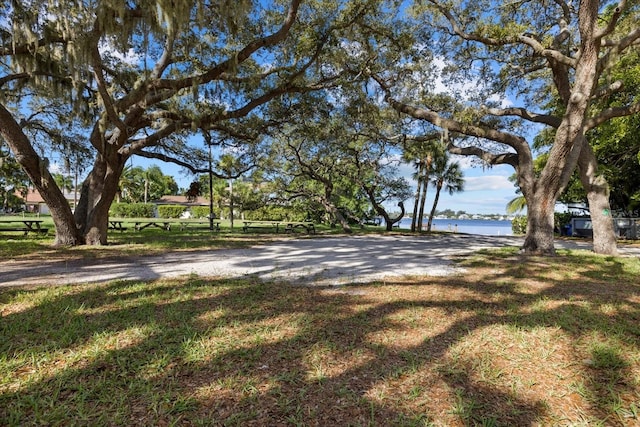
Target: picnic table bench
x=198 y=223
x=260 y=224
x=163 y=224
x=286 y=226
x=28 y=225
x=117 y=225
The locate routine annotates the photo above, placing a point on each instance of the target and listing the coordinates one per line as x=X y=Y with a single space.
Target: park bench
x=117 y=225
x=162 y=223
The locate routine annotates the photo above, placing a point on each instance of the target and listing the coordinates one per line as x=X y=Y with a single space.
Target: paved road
x=327 y=261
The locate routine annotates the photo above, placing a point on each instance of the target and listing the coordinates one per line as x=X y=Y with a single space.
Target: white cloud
x=487 y=183
x=465 y=88
x=504 y=102
x=55 y=167
x=465 y=162
x=107 y=48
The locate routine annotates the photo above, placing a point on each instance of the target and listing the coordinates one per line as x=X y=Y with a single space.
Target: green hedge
x=132 y=210
x=201 y=212
x=275 y=213
x=170 y=211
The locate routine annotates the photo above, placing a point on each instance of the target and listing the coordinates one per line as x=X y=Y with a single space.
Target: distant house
x=181 y=200
x=33 y=201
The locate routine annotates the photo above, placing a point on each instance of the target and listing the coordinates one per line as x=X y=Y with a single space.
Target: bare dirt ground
x=325 y=261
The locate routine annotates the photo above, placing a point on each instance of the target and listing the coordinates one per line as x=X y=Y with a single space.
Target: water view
x=485 y=227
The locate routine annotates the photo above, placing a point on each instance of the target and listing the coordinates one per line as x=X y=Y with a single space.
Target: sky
x=485 y=191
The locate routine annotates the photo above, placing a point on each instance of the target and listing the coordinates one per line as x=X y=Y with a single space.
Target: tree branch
x=192 y=168
x=611 y=113
x=537 y=47
x=613 y=22
x=486 y=156
x=525 y=114
x=518 y=143
x=238 y=58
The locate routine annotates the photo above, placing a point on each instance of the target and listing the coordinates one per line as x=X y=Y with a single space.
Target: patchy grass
x=514 y=341
x=129 y=243
x=145 y=242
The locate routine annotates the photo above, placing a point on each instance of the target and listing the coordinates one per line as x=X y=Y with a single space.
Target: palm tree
x=64 y=182
x=447 y=175
x=517 y=204
x=410 y=156
x=130 y=183
x=422 y=153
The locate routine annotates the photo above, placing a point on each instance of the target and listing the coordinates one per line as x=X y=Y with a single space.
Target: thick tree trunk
x=597 y=188
x=341 y=219
x=387 y=220
x=540 y=220
x=569 y=140
x=66 y=232
x=98 y=192
x=391 y=222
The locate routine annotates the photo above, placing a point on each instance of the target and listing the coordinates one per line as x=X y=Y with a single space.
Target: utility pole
x=231 y=201
x=210 y=189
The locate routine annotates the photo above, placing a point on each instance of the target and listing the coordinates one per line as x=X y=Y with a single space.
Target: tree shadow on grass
x=222 y=352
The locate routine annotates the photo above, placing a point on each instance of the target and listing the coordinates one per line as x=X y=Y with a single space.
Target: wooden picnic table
x=28 y=225
x=286 y=226
x=162 y=223
x=198 y=223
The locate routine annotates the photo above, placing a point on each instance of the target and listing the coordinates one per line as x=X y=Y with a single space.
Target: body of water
x=483 y=227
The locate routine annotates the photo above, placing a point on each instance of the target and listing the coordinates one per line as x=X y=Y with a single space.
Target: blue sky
x=485 y=191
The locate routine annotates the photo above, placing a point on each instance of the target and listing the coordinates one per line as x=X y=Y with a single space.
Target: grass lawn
x=148 y=241
x=514 y=341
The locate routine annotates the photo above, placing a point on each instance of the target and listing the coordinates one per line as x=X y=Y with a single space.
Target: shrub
x=170 y=211
x=132 y=210
x=519 y=225
x=201 y=212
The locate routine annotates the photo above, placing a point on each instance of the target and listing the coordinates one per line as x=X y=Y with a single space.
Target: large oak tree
x=533 y=51
x=151 y=74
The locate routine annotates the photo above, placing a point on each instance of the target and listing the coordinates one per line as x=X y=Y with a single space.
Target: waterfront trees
x=447 y=175
x=420 y=151
x=524 y=49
